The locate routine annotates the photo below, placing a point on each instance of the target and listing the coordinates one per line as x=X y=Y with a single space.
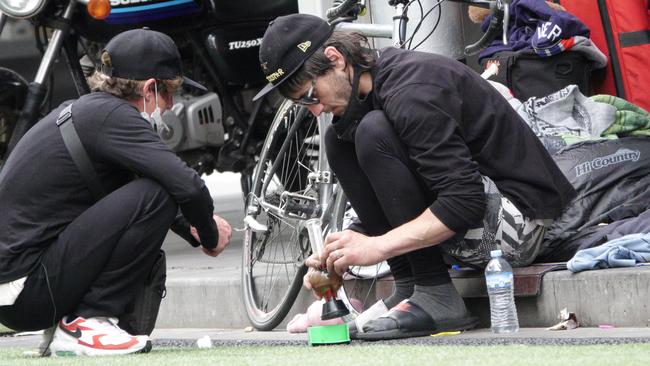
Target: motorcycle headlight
x=21 y=8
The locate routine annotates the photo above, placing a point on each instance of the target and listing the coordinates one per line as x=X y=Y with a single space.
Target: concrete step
x=199 y=299
x=618 y=297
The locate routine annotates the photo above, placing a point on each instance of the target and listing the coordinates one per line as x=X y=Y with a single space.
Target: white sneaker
x=95 y=337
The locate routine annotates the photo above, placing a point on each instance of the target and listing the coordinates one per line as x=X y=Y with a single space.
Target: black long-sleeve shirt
x=457 y=127
x=42 y=191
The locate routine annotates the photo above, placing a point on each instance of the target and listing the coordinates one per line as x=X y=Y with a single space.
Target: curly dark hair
x=354 y=48
x=126 y=88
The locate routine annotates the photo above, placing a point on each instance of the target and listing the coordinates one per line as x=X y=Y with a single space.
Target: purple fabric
x=535 y=25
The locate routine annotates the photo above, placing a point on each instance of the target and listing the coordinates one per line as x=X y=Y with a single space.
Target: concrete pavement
x=535 y=336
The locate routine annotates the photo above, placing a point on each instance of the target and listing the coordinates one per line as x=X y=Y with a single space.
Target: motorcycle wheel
x=273 y=261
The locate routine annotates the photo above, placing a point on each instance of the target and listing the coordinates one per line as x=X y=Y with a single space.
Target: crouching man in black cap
x=432 y=159
x=85 y=212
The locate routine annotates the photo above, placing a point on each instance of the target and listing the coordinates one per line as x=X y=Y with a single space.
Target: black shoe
x=352 y=328
x=407 y=320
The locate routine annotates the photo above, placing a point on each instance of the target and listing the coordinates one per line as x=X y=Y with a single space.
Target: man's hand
x=314 y=263
x=349 y=248
x=318 y=281
x=225 y=232
x=342 y=250
x=307 y=283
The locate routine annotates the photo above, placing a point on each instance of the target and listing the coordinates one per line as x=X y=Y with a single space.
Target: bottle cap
x=496 y=253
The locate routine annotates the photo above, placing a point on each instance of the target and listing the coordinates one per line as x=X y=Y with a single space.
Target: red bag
x=621 y=29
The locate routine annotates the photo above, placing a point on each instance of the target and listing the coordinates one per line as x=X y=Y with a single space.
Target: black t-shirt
x=42 y=191
x=457 y=127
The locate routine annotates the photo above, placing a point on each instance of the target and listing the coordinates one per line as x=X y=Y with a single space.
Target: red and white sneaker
x=95 y=337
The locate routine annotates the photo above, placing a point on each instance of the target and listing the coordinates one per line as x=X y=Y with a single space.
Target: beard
x=346 y=124
x=342 y=90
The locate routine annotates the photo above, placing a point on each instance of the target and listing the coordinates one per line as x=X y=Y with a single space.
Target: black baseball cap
x=141 y=54
x=287 y=43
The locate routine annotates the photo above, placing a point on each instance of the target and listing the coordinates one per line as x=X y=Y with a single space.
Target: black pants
x=385 y=191
x=99 y=261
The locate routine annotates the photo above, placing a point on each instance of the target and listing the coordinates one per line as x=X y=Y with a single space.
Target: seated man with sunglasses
x=432 y=159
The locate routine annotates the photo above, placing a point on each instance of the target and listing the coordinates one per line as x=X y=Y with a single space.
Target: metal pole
x=399 y=25
x=53 y=47
x=326 y=184
x=37 y=90
x=369 y=30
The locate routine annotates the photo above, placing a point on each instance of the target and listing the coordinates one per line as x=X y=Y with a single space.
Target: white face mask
x=155 y=118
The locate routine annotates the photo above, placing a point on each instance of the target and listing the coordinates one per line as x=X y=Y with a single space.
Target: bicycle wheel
x=273 y=262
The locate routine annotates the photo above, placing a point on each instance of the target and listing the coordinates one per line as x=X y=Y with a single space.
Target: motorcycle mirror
x=99 y=9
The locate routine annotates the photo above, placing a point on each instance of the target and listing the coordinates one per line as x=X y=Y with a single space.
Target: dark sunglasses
x=308 y=98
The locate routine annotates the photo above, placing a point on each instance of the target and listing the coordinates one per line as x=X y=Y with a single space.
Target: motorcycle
x=219 y=42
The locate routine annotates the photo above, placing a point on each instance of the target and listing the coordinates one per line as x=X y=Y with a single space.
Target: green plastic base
x=328 y=334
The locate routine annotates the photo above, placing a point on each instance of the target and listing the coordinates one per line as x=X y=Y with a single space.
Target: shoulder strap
x=79 y=155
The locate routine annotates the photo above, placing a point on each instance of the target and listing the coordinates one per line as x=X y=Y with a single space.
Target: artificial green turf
x=375 y=355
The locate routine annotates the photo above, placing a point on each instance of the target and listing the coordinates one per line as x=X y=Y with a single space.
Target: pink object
x=606 y=326
x=301 y=322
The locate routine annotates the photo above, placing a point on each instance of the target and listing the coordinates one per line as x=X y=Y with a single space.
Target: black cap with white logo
x=141 y=54
x=287 y=43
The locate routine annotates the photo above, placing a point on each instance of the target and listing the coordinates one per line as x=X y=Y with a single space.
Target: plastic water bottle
x=499 y=280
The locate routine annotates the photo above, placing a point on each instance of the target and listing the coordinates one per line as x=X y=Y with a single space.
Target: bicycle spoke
x=282 y=220
x=269 y=283
x=272 y=276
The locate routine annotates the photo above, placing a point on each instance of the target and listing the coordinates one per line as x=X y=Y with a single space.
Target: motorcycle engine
x=193 y=122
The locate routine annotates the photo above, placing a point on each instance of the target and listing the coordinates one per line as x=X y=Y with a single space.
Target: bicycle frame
x=396 y=31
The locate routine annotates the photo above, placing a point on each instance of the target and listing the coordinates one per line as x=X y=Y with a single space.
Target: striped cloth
x=629 y=119
x=556 y=48
x=504 y=227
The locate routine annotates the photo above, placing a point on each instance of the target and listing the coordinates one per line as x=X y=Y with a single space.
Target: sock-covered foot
x=403 y=290
x=441 y=302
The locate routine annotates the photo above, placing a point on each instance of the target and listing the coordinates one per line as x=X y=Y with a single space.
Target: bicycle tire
x=267 y=304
